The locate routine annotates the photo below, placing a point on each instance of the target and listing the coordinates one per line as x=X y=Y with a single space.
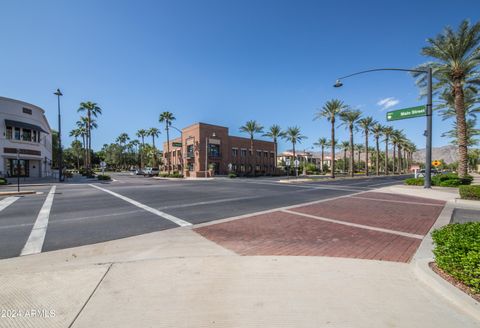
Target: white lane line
x=398 y=201
x=361 y=226
x=242 y=216
x=164 y=215
x=37 y=235
x=4 y=203
x=313 y=187
x=384 y=183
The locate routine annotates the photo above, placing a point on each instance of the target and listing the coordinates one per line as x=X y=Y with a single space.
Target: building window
x=265 y=154
x=272 y=155
x=234 y=167
x=234 y=152
x=242 y=168
x=259 y=153
x=27 y=111
x=190 y=151
x=250 y=152
x=27 y=135
x=213 y=150
x=9 y=132
x=257 y=167
x=250 y=167
x=17 y=133
x=243 y=153
x=191 y=167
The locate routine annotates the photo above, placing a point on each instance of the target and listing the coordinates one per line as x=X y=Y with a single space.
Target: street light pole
x=428 y=131
x=58 y=93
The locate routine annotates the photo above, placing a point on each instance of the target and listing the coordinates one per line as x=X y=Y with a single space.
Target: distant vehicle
x=139 y=172
x=421 y=173
x=151 y=171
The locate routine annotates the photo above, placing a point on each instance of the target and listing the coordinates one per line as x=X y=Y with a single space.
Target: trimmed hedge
x=232 y=175
x=457 y=252
x=442 y=180
x=414 y=181
x=104 y=177
x=470 y=192
x=3 y=181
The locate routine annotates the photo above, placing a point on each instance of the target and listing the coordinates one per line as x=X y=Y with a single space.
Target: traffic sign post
x=296 y=163
x=436 y=163
x=103 y=165
x=405 y=113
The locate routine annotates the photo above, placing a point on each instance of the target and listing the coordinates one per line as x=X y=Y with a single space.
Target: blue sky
x=220 y=62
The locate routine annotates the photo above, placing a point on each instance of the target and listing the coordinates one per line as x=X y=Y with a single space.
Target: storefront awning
x=24 y=125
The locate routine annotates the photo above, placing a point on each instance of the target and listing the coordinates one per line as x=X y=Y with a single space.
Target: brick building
x=226 y=153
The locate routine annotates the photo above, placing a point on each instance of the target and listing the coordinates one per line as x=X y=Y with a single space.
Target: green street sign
x=176 y=144
x=402 y=114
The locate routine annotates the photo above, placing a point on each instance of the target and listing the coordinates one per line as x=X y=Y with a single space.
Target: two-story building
x=204 y=148
x=26 y=140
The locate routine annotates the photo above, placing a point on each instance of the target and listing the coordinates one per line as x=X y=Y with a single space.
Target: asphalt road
x=84 y=213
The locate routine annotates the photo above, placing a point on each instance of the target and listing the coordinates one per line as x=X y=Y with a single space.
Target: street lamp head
x=338 y=84
x=58 y=93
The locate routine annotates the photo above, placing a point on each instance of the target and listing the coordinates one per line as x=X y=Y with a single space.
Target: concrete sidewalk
x=177 y=278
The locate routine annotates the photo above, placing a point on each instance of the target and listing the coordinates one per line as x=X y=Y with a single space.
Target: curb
x=328 y=178
x=14 y=193
x=467 y=203
x=426 y=275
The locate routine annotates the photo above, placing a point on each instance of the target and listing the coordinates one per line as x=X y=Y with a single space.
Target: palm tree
x=322 y=142
x=252 y=127
x=387 y=132
x=366 y=124
x=345 y=146
x=330 y=111
x=293 y=135
x=274 y=132
x=359 y=148
x=350 y=119
x=76 y=133
x=154 y=133
x=455 y=69
x=122 y=140
x=397 y=138
x=92 y=109
x=142 y=133
x=167 y=118
x=377 y=130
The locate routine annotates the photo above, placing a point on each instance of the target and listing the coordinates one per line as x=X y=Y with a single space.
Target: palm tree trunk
x=141 y=153
x=377 y=160
x=154 y=152
x=168 y=149
x=88 y=138
x=366 y=153
x=461 y=129
x=344 y=160
x=254 y=156
x=399 y=166
x=293 y=150
x=321 y=164
x=332 y=171
x=394 y=157
x=275 y=151
x=352 y=174
x=386 y=155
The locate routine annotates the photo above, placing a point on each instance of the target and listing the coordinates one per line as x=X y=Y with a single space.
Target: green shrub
x=457 y=252
x=3 y=181
x=470 y=192
x=450 y=183
x=104 y=177
x=414 y=181
x=232 y=175
x=176 y=175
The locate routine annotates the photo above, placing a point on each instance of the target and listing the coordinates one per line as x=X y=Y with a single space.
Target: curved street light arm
x=385 y=69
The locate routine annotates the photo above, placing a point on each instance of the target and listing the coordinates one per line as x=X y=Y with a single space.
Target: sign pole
x=18 y=170
x=428 y=155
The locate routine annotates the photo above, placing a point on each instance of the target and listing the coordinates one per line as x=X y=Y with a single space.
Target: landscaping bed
x=455 y=282
x=457 y=254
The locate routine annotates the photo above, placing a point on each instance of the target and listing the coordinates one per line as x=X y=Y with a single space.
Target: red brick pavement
x=411 y=218
x=280 y=233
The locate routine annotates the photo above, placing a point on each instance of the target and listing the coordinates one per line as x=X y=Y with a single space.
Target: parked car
x=151 y=171
x=139 y=172
x=421 y=173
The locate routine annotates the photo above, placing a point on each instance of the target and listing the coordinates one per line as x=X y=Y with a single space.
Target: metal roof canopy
x=19 y=124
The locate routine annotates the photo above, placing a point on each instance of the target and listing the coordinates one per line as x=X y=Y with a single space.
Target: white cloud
x=386 y=103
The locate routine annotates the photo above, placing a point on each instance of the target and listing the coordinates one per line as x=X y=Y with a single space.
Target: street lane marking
x=243 y=216
x=361 y=226
x=313 y=187
x=397 y=201
x=4 y=203
x=164 y=215
x=224 y=200
x=384 y=183
x=35 y=241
